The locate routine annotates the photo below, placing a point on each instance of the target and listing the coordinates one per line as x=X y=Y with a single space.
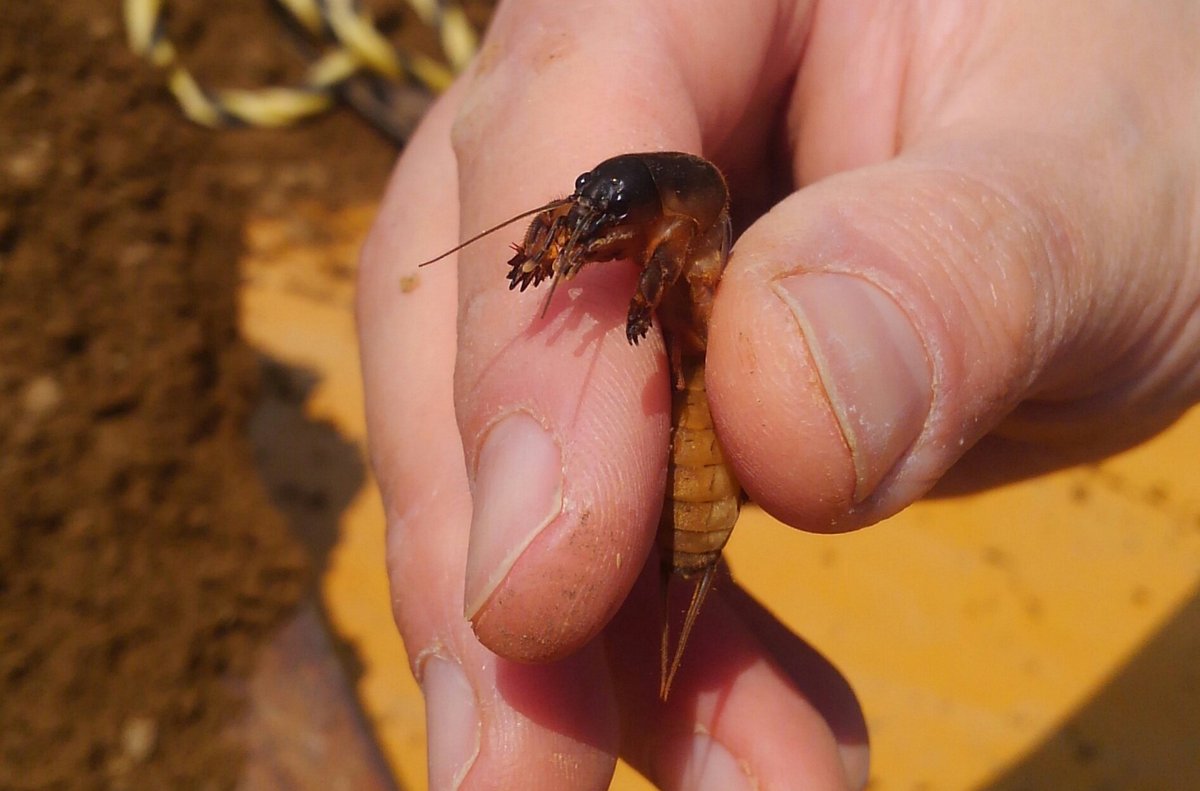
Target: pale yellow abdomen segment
x=703 y=496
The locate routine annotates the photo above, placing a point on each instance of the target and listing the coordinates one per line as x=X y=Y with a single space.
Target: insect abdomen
x=703 y=495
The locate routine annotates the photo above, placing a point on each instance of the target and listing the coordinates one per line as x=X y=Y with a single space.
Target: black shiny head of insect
x=617 y=191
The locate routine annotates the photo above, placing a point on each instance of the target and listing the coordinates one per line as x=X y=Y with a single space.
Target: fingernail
x=517 y=492
x=872 y=364
x=451 y=722
x=711 y=767
x=856 y=761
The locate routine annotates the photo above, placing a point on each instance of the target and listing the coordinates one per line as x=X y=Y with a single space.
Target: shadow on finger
x=751 y=703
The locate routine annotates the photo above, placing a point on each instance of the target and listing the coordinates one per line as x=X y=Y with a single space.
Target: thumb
x=876 y=325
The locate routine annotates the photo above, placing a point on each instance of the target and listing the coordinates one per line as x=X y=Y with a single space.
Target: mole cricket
x=668 y=213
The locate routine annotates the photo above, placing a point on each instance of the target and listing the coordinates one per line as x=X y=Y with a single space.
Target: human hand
x=994 y=254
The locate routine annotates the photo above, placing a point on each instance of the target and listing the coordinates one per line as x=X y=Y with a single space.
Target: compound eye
x=583 y=180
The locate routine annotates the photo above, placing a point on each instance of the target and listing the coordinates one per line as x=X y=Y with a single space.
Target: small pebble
x=139 y=738
x=42 y=396
x=29 y=164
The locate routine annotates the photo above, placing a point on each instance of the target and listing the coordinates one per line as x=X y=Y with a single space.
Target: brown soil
x=141 y=559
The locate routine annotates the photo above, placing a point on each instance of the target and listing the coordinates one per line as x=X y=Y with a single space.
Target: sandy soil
x=142 y=561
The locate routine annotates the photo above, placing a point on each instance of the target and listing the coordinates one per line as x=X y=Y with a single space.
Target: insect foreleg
x=662 y=268
x=650 y=289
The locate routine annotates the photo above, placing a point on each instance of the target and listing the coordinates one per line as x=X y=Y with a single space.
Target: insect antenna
x=554 y=204
x=698 y=595
x=559 y=270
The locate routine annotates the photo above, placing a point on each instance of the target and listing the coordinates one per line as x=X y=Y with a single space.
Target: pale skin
x=990 y=268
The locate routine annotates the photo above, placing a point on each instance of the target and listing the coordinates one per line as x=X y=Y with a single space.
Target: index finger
x=564 y=424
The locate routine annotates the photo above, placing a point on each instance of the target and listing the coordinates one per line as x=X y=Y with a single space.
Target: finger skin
x=1039 y=272
x=822 y=685
x=1026 y=229
x=491 y=723
x=525 y=713
x=557 y=543
x=782 y=714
